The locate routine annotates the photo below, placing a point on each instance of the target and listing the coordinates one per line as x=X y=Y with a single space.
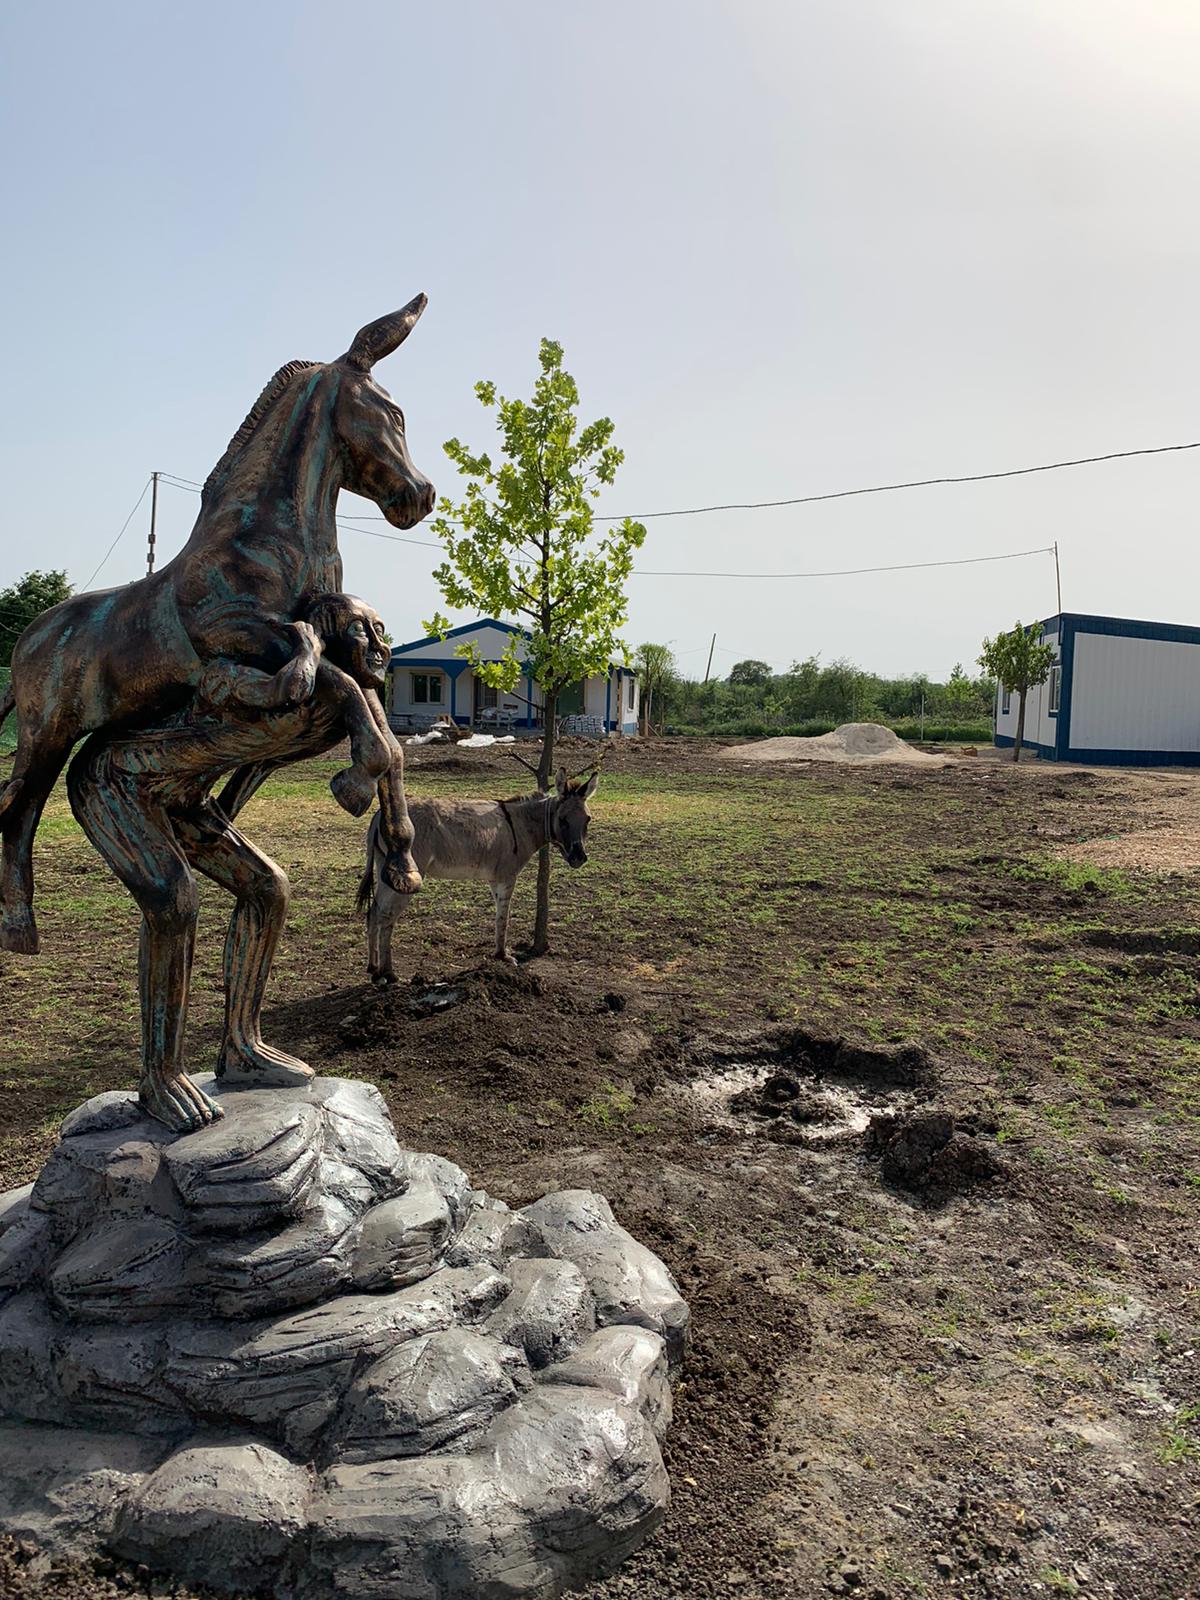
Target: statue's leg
x=136 y=838
x=22 y=800
x=372 y=743
x=260 y=888
x=400 y=870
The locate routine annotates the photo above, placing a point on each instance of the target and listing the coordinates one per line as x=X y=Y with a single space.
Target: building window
x=632 y=692
x=427 y=688
x=1005 y=701
x=1055 y=688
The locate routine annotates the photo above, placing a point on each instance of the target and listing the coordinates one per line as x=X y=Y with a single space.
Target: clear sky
x=788 y=247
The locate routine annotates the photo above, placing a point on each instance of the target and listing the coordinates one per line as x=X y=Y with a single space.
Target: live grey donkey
x=482 y=841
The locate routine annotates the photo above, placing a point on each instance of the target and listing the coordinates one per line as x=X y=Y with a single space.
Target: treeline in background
x=811 y=698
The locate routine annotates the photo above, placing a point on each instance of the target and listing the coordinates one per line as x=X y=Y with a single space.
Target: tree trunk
x=541 y=921
x=1020 y=727
x=647 y=701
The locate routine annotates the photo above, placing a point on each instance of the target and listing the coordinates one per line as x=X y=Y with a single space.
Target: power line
x=846 y=572
x=913 y=483
x=887 y=488
x=851 y=572
x=117 y=540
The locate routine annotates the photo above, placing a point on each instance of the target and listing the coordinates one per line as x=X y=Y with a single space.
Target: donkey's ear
x=589 y=787
x=560 y=781
x=379 y=339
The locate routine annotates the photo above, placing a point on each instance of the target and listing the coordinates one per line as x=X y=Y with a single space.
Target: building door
x=570 y=699
x=485 y=697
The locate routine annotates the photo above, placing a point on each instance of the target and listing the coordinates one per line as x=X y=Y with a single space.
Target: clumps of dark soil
x=813 y=1055
x=904 y=1065
x=385 y=1007
x=1144 y=941
x=782 y=1096
x=934 y=1151
x=27 y=1573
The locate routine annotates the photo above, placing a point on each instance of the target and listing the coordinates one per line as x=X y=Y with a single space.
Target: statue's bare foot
x=18 y=931
x=253 y=1063
x=354 y=790
x=178 y=1103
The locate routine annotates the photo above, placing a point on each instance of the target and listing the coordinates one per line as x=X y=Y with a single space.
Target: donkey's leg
x=386 y=906
x=502 y=895
x=261 y=889
x=35 y=769
x=135 y=837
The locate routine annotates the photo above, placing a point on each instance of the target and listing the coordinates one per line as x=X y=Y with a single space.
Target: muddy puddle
x=756 y=1098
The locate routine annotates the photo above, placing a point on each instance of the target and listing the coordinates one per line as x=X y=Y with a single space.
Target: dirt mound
x=853 y=741
x=934 y=1150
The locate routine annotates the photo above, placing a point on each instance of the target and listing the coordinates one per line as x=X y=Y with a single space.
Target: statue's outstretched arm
x=229 y=684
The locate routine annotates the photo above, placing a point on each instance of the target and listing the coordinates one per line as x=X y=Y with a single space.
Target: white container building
x=1120 y=693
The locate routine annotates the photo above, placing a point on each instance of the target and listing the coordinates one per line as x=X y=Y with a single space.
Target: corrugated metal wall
x=1135 y=694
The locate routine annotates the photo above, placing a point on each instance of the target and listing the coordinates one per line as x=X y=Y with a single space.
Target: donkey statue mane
x=271 y=392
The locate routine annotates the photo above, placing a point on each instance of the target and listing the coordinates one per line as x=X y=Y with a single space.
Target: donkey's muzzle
x=407 y=509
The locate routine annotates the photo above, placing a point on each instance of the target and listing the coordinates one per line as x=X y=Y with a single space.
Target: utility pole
x=1058 y=577
x=711 y=648
x=153 y=522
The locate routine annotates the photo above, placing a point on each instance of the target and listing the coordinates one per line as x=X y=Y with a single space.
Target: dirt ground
x=903 y=1085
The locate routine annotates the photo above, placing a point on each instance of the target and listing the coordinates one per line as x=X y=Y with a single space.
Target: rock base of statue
x=284 y=1355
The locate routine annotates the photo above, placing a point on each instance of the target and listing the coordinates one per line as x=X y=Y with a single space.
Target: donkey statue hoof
x=18 y=931
x=354 y=791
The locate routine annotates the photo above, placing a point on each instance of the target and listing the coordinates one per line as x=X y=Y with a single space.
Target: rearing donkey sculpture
x=264 y=545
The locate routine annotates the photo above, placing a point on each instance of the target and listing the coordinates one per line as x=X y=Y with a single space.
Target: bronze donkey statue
x=263 y=546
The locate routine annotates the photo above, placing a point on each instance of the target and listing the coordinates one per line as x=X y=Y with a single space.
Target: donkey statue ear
x=589 y=787
x=379 y=339
x=560 y=781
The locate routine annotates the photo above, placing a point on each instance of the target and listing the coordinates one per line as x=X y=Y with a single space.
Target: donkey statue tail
x=10 y=788
x=366 y=884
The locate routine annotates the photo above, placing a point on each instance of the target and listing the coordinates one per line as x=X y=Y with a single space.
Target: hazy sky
x=788 y=247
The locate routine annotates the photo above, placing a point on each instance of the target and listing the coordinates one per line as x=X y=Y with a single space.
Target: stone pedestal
x=283 y=1354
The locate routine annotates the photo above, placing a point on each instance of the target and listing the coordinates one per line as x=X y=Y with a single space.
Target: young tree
x=522 y=544
x=22 y=601
x=656 y=672
x=1018 y=662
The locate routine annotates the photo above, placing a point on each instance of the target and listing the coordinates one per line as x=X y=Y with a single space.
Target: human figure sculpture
x=263 y=546
x=144 y=799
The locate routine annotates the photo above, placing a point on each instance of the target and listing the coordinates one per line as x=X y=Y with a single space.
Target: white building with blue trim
x=1120 y=693
x=428 y=681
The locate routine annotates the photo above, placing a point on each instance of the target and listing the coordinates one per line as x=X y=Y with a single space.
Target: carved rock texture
x=284 y=1356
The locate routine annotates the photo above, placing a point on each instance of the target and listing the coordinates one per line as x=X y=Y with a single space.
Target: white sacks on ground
x=284 y=1355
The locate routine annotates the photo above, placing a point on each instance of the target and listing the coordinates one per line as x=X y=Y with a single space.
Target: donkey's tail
x=366 y=884
x=8 y=704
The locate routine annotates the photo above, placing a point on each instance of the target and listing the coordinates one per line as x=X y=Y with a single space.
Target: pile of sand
x=861 y=742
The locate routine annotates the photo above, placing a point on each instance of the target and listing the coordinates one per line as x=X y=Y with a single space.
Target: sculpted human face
x=361 y=648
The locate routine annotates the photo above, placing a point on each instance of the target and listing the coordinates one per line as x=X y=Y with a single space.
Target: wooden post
x=153 y=522
x=711 y=648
